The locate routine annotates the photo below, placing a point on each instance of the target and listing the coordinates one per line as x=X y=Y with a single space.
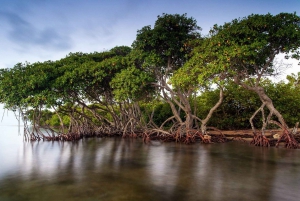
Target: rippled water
x=127 y=169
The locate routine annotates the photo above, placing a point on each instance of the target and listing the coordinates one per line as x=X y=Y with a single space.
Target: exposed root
x=190 y=137
x=297 y=138
x=289 y=139
x=63 y=137
x=260 y=140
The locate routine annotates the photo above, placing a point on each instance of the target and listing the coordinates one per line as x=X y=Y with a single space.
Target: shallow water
x=127 y=169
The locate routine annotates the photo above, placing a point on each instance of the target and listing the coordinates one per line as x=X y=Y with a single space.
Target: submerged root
x=260 y=140
x=179 y=134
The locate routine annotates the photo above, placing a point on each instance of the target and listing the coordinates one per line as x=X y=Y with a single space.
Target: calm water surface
x=127 y=169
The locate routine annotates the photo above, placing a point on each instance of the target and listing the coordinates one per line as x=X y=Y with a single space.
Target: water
x=127 y=169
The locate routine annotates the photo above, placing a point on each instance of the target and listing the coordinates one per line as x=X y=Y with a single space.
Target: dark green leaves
x=168 y=41
x=132 y=84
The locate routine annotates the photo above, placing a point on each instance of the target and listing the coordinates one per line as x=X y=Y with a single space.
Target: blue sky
x=39 y=30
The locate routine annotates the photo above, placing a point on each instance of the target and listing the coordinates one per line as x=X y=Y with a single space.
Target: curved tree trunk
x=269 y=104
x=211 y=111
x=265 y=99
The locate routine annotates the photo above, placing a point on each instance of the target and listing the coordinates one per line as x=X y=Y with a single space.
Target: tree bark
x=211 y=111
x=269 y=104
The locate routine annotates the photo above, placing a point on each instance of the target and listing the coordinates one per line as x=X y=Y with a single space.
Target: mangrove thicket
x=172 y=84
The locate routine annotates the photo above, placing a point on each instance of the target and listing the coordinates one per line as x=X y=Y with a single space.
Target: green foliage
x=294 y=80
x=237 y=107
x=162 y=111
x=54 y=121
x=286 y=97
x=132 y=84
x=247 y=46
x=27 y=85
x=167 y=44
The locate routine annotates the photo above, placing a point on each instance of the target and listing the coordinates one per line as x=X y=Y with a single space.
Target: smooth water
x=127 y=169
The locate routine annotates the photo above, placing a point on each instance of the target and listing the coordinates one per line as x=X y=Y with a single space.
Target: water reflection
x=127 y=169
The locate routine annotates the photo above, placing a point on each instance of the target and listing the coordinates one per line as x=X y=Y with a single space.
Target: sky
x=40 y=30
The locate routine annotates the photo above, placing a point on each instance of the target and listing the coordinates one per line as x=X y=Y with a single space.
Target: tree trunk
x=189 y=120
x=265 y=99
x=269 y=104
x=211 y=111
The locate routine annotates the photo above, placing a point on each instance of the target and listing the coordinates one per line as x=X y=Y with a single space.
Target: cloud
x=25 y=34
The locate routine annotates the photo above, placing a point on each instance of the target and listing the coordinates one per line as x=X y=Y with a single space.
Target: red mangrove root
x=289 y=139
x=260 y=140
